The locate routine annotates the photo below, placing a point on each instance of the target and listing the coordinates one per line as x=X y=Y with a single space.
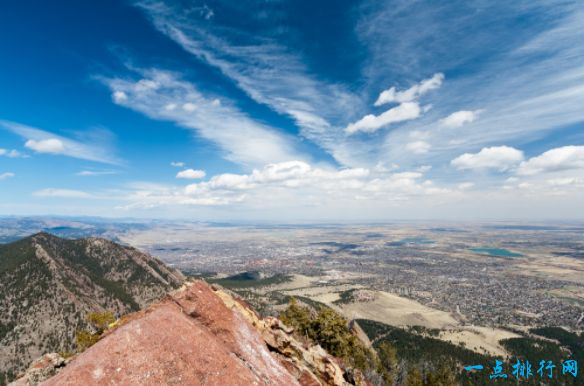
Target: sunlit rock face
x=202 y=335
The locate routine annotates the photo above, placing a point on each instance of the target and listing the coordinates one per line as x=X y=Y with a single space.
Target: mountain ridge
x=48 y=285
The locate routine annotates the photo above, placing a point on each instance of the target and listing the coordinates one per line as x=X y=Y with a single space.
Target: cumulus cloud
x=177 y=164
x=408 y=107
x=418 y=147
x=558 y=159
x=50 y=145
x=4 y=176
x=460 y=118
x=371 y=123
x=413 y=93
x=298 y=180
x=289 y=174
x=501 y=158
x=191 y=174
x=287 y=185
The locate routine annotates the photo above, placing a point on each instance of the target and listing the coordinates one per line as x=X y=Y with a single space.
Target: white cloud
x=288 y=184
x=93 y=173
x=419 y=147
x=191 y=174
x=305 y=180
x=94 y=145
x=119 y=97
x=50 y=145
x=534 y=88
x=190 y=107
x=411 y=94
x=408 y=107
x=565 y=181
x=177 y=164
x=460 y=118
x=465 y=185
x=554 y=160
x=371 y=123
x=269 y=72
x=11 y=153
x=4 y=176
x=62 y=193
x=240 y=138
x=501 y=158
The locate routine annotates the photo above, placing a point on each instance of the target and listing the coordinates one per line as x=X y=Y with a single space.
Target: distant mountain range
x=48 y=285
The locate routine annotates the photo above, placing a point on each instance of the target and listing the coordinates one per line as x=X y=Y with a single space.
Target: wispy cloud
x=418 y=147
x=268 y=72
x=163 y=95
x=6 y=175
x=11 y=153
x=42 y=141
x=62 y=193
x=511 y=85
x=95 y=173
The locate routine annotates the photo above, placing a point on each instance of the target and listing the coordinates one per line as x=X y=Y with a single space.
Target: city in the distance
x=213 y=192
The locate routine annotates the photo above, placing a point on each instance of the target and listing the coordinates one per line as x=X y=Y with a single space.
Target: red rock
x=200 y=336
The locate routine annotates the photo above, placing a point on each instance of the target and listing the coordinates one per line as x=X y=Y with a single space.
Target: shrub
x=330 y=330
x=99 y=321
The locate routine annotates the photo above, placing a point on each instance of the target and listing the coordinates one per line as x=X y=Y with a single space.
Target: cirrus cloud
x=92 y=145
x=62 y=193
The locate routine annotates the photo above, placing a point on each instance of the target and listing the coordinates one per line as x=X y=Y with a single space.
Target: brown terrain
x=197 y=335
x=48 y=286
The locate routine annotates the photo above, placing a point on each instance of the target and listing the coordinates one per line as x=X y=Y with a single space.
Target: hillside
x=199 y=335
x=48 y=285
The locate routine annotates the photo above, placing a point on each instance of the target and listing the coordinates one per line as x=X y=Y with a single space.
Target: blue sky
x=293 y=110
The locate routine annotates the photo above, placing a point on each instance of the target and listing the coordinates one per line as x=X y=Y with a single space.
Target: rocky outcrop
x=203 y=335
x=40 y=370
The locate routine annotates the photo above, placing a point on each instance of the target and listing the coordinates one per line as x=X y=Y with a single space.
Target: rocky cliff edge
x=202 y=335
